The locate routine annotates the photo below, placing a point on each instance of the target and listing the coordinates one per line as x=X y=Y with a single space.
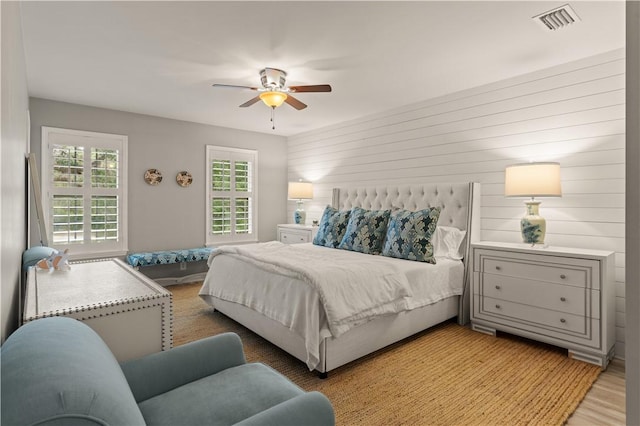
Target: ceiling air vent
x=557 y=18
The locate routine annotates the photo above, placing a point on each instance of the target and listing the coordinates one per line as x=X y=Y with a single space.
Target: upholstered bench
x=166 y=257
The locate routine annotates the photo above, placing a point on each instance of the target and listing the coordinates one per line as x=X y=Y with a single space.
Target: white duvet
x=319 y=292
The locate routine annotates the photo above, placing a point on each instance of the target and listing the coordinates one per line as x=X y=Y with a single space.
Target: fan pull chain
x=273 y=118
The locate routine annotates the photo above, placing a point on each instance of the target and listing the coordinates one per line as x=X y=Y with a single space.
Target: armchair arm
x=162 y=371
x=309 y=409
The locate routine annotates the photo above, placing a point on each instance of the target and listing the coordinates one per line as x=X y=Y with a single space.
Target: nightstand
x=294 y=234
x=556 y=295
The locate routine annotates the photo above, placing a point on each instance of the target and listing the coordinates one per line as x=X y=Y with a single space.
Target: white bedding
x=319 y=292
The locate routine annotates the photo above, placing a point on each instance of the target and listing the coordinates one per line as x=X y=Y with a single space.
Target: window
x=84 y=191
x=231 y=195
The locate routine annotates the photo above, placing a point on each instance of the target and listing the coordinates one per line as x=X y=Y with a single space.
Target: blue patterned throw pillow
x=332 y=227
x=409 y=235
x=365 y=231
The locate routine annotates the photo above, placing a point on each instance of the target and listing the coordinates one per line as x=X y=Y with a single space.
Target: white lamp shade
x=533 y=180
x=300 y=190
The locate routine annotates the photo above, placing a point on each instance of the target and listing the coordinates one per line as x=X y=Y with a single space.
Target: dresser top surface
x=544 y=250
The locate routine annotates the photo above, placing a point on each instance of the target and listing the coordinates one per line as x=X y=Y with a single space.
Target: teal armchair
x=57 y=371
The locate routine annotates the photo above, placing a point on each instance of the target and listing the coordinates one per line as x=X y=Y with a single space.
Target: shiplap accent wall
x=573 y=114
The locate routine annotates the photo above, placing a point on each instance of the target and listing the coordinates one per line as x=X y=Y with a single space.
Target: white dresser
x=561 y=296
x=295 y=234
x=131 y=313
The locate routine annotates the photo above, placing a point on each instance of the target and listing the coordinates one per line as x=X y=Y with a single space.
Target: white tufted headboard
x=459 y=207
x=452 y=198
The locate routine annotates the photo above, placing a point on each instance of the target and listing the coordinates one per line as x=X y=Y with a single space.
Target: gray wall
x=633 y=213
x=168 y=216
x=15 y=102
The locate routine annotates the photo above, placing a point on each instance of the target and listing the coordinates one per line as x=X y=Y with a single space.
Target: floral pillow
x=332 y=227
x=365 y=231
x=409 y=235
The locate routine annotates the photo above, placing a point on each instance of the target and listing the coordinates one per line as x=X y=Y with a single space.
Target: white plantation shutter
x=231 y=194
x=84 y=191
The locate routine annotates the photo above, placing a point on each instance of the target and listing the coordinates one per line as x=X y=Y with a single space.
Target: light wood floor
x=605 y=402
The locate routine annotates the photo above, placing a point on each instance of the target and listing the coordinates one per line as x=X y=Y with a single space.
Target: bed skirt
x=353 y=344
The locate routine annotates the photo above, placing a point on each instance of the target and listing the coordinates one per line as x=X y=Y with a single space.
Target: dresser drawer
x=550 y=273
x=557 y=297
x=540 y=323
x=294 y=237
x=535 y=315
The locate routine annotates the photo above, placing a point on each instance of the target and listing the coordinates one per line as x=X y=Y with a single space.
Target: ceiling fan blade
x=314 y=88
x=232 y=86
x=295 y=103
x=250 y=102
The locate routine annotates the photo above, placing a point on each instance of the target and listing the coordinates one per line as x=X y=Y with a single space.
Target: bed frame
x=459 y=204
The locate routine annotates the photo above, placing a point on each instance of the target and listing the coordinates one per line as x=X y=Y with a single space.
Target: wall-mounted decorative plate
x=184 y=178
x=153 y=176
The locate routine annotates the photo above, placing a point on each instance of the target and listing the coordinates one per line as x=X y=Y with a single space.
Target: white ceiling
x=161 y=58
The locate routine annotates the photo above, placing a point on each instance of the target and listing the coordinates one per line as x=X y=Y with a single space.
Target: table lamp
x=533 y=180
x=300 y=191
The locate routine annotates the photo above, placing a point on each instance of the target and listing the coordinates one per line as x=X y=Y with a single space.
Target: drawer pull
x=498 y=268
x=497 y=306
x=562 y=320
x=563 y=276
x=563 y=299
x=498 y=287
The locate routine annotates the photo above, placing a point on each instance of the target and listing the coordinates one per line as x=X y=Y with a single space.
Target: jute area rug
x=448 y=375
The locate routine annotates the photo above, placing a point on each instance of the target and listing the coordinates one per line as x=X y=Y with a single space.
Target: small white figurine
x=57 y=260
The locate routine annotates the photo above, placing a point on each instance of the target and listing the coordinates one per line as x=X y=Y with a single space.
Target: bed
x=282 y=293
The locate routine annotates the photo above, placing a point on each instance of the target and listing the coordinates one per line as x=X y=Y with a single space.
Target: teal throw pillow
x=332 y=227
x=409 y=235
x=365 y=231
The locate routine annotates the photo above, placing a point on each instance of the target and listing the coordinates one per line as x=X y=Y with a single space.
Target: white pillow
x=446 y=242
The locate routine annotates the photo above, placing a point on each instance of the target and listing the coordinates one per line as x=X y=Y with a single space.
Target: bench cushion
x=168 y=256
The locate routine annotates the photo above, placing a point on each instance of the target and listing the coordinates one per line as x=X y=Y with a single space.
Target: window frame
x=231 y=154
x=87 y=140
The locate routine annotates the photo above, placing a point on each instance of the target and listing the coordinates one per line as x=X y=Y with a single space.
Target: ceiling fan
x=275 y=92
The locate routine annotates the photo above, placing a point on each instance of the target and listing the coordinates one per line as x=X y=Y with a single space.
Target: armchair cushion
x=225 y=398
x=309 y=409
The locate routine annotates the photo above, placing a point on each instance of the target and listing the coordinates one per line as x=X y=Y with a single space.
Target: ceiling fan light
x=273 y=99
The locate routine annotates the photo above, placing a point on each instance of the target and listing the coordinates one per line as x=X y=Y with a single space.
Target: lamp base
x=532 y=225
x=299 y=216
